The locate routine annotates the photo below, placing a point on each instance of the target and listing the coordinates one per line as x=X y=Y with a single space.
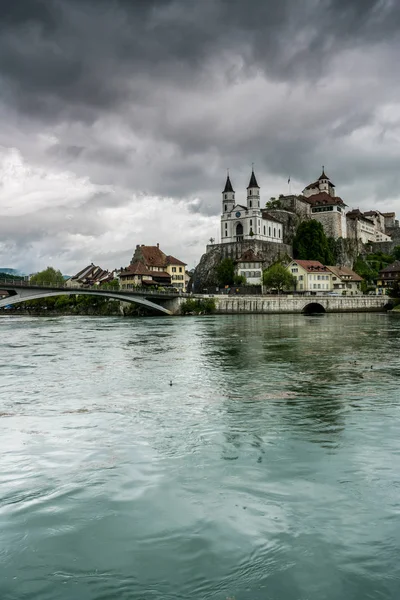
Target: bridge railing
x=15 y=283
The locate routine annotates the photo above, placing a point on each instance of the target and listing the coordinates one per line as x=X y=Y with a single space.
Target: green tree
x=239 y=280
x=225 y=272
x=47 y=277
x=279 y=278
x=311 y=243
x=396 y=252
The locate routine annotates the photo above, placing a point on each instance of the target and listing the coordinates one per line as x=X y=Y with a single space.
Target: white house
x=247 y=222
x=250 y=266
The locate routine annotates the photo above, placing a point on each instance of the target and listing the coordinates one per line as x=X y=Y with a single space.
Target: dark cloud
x=158 y=97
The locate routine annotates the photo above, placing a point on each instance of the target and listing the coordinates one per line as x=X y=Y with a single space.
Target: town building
x=345 y=281
x=90 y=275
x=311 y=276
x=151 y=266
x=249 y=265
x=248 y=221
x=389 y=275
x=138 y=275
x=368 y=227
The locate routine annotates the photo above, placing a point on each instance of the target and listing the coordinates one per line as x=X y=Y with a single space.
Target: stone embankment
x=298 y=304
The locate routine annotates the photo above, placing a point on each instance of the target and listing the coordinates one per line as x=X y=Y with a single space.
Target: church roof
x=253 y=181
x=228 y=186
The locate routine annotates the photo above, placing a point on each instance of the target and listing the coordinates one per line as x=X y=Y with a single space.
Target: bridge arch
x=312 y=308
x=18 y=295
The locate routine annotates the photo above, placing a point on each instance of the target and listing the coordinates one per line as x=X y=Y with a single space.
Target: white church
x=250 y=222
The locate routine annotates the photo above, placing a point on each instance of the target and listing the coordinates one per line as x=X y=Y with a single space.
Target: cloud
x=116 y=106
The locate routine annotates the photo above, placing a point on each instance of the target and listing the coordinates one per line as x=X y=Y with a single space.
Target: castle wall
x=334 y=223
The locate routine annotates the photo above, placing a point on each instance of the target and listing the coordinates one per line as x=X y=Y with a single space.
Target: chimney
x=158 y=245
x=137 y=246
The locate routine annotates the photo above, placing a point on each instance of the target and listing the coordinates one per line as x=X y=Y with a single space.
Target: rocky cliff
x=205 y=273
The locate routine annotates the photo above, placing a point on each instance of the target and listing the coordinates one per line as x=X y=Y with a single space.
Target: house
x=90 y=275
x=248 y=221
x=250 y=266
x=389 y=275
x=367 y=227
x=345 y=281
x=138 y=275
x=311 y=276
x=176 y=269
x=151 y=266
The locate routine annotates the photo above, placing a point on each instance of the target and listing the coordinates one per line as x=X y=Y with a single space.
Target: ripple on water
x=267 y=470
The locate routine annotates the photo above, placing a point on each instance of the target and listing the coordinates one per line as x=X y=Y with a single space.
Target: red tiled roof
x=346 y=273
x=311 y=265
x=175 y=261
x=324 y=199
x=136 y=268
x=357 y=214
x=153 y=256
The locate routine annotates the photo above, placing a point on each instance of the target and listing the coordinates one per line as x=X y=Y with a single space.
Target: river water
x=269 y=470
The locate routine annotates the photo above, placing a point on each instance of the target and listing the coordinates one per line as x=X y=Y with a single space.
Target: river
x=269 y=470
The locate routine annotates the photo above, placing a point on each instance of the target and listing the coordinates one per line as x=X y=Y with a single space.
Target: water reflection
x=257 y=475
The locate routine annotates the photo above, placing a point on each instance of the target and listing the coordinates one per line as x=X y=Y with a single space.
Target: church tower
x=228 y=196
x=253 y=192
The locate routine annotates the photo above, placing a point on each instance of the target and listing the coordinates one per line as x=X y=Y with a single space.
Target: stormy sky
x=119 y=118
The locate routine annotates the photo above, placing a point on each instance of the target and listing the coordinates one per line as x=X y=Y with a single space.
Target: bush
x=194 y=306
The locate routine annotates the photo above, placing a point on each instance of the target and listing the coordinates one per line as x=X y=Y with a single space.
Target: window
x=250 y=193
x=226 y=225
x=251 y=223
x=174 y=269
x=295 y=270
x=269 y=231
x=264 y=229
x=225 y=206
x=279 y=233
x=300 y=277
x=226 y=196
x=226 y=233
x=319 y=277
x=250 y=204
x=319 y=286
x=180 y=269
x=274 y=232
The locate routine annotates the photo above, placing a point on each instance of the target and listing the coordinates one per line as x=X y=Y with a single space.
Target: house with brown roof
x=368 y=227
x=250 y=266
x=90 y=275
x=389 y=275
x=311 y=276
x=151 y=266
x=345 y=281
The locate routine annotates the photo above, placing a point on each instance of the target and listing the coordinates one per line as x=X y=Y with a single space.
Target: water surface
x=269 y=470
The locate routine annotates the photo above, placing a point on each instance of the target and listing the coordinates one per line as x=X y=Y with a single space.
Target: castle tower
x=228 y=196
x=325 y=184
x=253 y=192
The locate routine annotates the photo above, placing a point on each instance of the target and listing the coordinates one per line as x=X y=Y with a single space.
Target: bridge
x=21 y=291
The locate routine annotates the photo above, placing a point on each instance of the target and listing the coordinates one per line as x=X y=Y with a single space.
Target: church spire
x=253 y=181
x=228 y=185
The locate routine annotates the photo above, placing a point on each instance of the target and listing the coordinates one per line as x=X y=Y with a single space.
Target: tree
x=47 y=277
x=239 y=280
x=396 y=252
x=225 y=272
x=311 y=243
x=279 y=278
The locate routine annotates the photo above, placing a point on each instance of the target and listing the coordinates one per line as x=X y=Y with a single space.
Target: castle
x=318 y=201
